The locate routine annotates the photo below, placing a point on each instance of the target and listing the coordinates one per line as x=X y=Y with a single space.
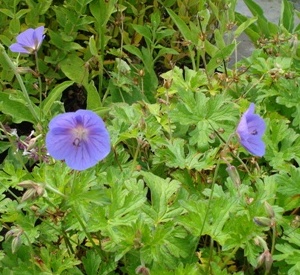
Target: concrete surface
x=271 y=9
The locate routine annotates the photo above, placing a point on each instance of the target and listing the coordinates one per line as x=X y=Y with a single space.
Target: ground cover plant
x=133 y=141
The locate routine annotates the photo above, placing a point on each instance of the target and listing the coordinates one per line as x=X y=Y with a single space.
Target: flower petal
x=59 y=145
x=17 y=48
x=38 y=36
x=250 y=131
x=81 y=158
x=254 y=145
x=255 y=122
x=28 y=41
x=63 y=120
x=26 y=38
x=80 y=138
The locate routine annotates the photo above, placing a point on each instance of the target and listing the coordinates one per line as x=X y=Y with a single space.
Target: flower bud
x=261 y=242
x=34 y=190
x=168 y=83
x=268 y=261
x=265 y=258
x=26 y=184
x=142 y=73
x=25 y=70
x=141 y=269
x=269 y=210
x=15 y=244
x=13 y=233
x=263 y=221
x=234 y=175
x=260 y=260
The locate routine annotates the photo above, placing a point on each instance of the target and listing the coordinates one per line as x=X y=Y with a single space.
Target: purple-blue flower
x=250 y=131
x=80 y=138
x=28 y=41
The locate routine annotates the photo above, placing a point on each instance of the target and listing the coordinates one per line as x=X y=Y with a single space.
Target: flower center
x=80 y=134
x=254 y=132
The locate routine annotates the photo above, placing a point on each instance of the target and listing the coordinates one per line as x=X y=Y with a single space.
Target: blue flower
x=250 y=131
x=28 y=41
x=80 y=138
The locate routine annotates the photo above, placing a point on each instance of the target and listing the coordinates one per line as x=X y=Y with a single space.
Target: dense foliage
x=177 y=194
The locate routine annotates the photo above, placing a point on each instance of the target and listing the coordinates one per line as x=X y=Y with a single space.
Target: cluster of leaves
x=162 y=201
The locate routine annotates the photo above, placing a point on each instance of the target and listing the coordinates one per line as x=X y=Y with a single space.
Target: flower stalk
x=21 y=83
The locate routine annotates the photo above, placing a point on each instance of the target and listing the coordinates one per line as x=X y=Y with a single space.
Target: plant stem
x=31 y=252
x=21 y=83
x=209 y=204
x=40 y=82
x=273 y=239
x=232 y=253
x=88 y=235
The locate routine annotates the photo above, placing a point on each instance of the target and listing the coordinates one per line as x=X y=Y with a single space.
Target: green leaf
x=75 y=69
x=161 y=192
x=134 y=50
x=22 y=12
x=7 y=12
x=4 y=145
x=197 y=107
x=265 y=27
x=289 y=183
x=290 y=97
x=102 y=10
x=182 y=26
x=93 y=97
x=91 y=262
x=93 y=46
x=143 y=31
x=14 y=25
x=252 y=31
x=287 y=15
x=242 y=27
x=255 y=9
x=164 y=51
x=220 y=56
x=178 y=154
x=288 y=253
x=59 y=40
x=164 y=33
x=283 y=144
x=15 y=108
x=55 y=95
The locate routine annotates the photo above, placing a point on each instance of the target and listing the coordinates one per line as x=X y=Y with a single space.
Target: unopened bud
x=212 y=136
x=268 y=260
x=263 y=221
x=32 y=142
x=234 y=175
x=260 y=260
x=141 y=72
x=261 y=242
x=168 y=83
x=15 y=244
x=13 y=233
x=141 y=269
x=25 y=70
x=265 y=258
x=269 y=210
x=34 y=190
x=26 y=184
